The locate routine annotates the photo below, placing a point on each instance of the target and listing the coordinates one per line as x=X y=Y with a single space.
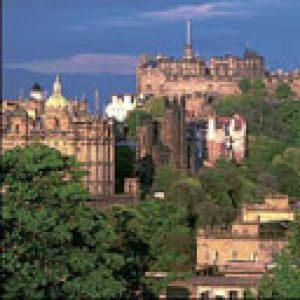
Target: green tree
x=286 y=167
x=165 y=177
x=245 y=85
x=153 y=237
x=133 y=120
x=125 y=164
x=155 y=107
x=258 y=86
x=285 y=282
x=53 y=246
x=145 y=172
x=283 y=91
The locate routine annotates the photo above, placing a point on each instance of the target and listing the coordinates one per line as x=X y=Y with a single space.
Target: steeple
x=188 y=50
x=188 y=32
x=56 y=100
x=57 y=86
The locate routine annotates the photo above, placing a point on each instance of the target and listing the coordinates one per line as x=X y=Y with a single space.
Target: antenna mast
x=188 y=32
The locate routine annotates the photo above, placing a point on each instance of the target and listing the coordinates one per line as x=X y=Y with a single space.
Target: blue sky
x=95 y=43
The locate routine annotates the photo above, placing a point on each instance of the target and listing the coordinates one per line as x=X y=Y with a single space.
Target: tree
x=133 y=120
x=153 y=237
x=155 y=107
x=283 y=91
x=258 y=86
x=53 y=246
x=145 y=172
x=165 y=177
x=125 y=163
x=245 y=85
x=286 y=167
x=285 y=282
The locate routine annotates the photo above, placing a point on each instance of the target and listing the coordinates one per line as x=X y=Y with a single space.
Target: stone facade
x=226 y=138
x=163 y=75
x=248 y=247
x=68 y=127
x=165 y=140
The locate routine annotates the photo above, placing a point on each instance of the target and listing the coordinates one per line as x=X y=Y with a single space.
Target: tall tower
x=188 y=50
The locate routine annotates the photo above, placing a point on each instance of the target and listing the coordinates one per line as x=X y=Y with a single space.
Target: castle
x=67 y=126
x=162 y=75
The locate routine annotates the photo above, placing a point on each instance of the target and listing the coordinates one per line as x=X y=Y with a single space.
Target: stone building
x=248 y=248
x=233 y=260
x=165 y=140
x=65 y=125
x=226 y=138
x=164 y=75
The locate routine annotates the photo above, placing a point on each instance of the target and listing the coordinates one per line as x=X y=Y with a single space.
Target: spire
x=188 y=50
x=57 y=86
x=188 y=32
x=96 y=99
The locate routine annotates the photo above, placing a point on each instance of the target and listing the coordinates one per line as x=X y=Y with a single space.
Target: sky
x=96 y=43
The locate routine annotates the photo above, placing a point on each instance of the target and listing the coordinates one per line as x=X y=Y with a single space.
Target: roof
x=36 y=87
x=220 y=281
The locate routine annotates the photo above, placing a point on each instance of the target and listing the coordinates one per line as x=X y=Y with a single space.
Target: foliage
x=286 y=167
x=279 y=120
x=134 y=119
x=165 y=177
x=125 y=161
x=245 y=85
x=284 y=91
x=155 y=107
x=285 y=282
x=53 y=246
x=258 y=85
x=145 y=173
x=153 y=237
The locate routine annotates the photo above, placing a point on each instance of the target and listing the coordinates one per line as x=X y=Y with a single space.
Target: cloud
x=196 y=11
x=119 y=64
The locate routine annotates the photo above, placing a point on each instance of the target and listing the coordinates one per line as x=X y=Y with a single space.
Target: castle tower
x=188 y=50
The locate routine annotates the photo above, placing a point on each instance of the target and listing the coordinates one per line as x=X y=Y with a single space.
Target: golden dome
x=56 y=100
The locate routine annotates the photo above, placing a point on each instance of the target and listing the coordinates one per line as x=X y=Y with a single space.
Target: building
x=164 y=75
x=165 y=140
x=226 y=138
x=67 y=126
x=233 y=260
x=120 y=105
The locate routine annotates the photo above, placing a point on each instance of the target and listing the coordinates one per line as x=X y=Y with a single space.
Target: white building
x=120 y=105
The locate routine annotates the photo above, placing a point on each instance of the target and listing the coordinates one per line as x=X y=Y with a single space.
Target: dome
x=56 y=100
x=36 y=87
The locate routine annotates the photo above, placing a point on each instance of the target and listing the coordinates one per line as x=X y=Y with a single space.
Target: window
x=204 y=295
x=233 y=295
x=234 y=255
x=17 y=128
x=56 y=123
x=254 y=256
